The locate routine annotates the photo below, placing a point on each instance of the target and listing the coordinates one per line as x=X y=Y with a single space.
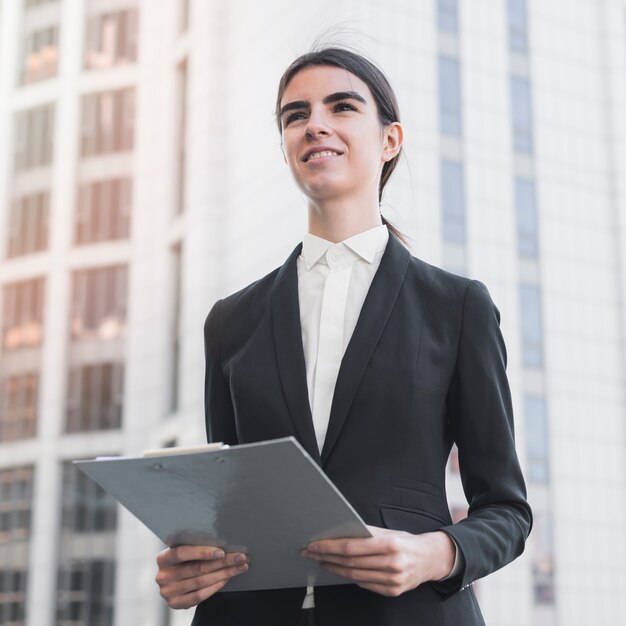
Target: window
x=448 y=16
x=176 y=258
x=532 y=331
x=86 y=575
x=12 y=596
x=18 y=407
x=107 y=122
x=536 y=428
x=99 y=298
x=23 y=314
x=103 y=211
x=34 y=134
x=449 y=96
x=518 y=25
x=182 y=136
x=542 y=558
x=111 y=39
x=453 y=201
x=522 y=115
x=526 y=210
x=28 y=227
x=184 y=15
x=16 y=493
x=95 y=397
x=87 y=508
x=41 y=53
x=86 y=593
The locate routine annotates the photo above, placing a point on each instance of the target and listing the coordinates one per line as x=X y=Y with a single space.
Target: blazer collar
x=287 y=331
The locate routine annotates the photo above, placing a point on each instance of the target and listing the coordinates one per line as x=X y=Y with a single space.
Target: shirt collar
x=366 y=244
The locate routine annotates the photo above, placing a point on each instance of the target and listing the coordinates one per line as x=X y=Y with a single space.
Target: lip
x=321 y=160
x=310 y=151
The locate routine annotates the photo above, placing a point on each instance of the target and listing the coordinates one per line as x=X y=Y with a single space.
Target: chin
x=322 y=189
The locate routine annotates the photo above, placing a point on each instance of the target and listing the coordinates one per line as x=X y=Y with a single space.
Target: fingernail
x=242 y=568
x=218 y=554
x=240 y=558
x=313 y=548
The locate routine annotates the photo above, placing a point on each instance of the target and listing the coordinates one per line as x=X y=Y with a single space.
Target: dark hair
x=373 y=77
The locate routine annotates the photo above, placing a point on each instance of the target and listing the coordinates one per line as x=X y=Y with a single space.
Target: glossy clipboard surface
x=268 y=499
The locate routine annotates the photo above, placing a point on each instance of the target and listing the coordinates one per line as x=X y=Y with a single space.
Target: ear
x=393 y=136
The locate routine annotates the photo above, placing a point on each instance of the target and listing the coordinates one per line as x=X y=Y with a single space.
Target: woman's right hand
x=190 y=574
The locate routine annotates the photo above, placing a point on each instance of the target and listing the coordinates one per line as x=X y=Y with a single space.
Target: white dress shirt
x=333 y=280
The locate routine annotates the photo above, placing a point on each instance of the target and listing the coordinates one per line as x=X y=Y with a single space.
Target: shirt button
x=336 y=256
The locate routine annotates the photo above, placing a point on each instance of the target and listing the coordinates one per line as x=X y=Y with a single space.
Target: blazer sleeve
x=218 y=408
x=480 y=416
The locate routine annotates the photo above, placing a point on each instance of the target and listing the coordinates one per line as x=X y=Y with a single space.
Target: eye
x=340 y=106
x=291 y=117
x=344 y=104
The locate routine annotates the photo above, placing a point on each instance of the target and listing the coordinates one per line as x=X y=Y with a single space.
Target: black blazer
x=425 y=367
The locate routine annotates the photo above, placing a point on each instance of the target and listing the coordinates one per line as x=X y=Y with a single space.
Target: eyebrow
x=333 y=97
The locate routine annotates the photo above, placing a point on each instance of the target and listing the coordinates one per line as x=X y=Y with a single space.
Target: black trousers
x=307 y=617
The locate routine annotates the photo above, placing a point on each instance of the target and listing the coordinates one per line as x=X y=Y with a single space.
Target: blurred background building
x=141 y=179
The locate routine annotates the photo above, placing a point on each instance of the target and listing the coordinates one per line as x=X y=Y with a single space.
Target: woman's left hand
x=390 y=562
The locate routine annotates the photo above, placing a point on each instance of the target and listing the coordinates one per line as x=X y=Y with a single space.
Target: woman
x=377 y=362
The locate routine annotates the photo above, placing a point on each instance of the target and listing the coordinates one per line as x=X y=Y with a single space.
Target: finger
x=180 y=554
x=189 y=585
x=381 y=562
x=192 y=599
x=192 y=569
x=364 y=575
x=354 y=546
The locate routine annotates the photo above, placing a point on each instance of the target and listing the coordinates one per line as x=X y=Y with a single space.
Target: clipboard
x=267 y=499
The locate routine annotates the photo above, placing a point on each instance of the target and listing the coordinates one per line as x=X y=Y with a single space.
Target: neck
x=337 y=219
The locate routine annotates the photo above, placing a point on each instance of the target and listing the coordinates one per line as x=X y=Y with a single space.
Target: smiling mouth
x=322 y=155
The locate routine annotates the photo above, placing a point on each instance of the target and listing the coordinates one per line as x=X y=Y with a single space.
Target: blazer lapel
x=290 y=353
x=377 y=308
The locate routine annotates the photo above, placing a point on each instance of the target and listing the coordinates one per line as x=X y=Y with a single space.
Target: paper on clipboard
x=268 y=499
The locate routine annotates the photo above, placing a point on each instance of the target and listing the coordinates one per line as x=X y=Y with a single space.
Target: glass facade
x=107 y=122
x=103 y=211
x=182 y=79
x=536 y=434
x=176 y=259
x=95 y=397
x=16 y=502
x=34 y=137
x=449 y=96
x=28 y=224
x=522 y=114
x=99 y=303
x=41 y=54
x=86 y=574
x=542 y=542
x=448 y=15
x=22 y=320
x=526 y=212
x=518 y=25
x=18 y=406
x=532 y=329
x=453 y=201
x=111 y=39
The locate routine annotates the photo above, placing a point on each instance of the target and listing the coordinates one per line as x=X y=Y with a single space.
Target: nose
x=316 y=125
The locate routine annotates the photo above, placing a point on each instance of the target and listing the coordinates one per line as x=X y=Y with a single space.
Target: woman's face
x=326 y=108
